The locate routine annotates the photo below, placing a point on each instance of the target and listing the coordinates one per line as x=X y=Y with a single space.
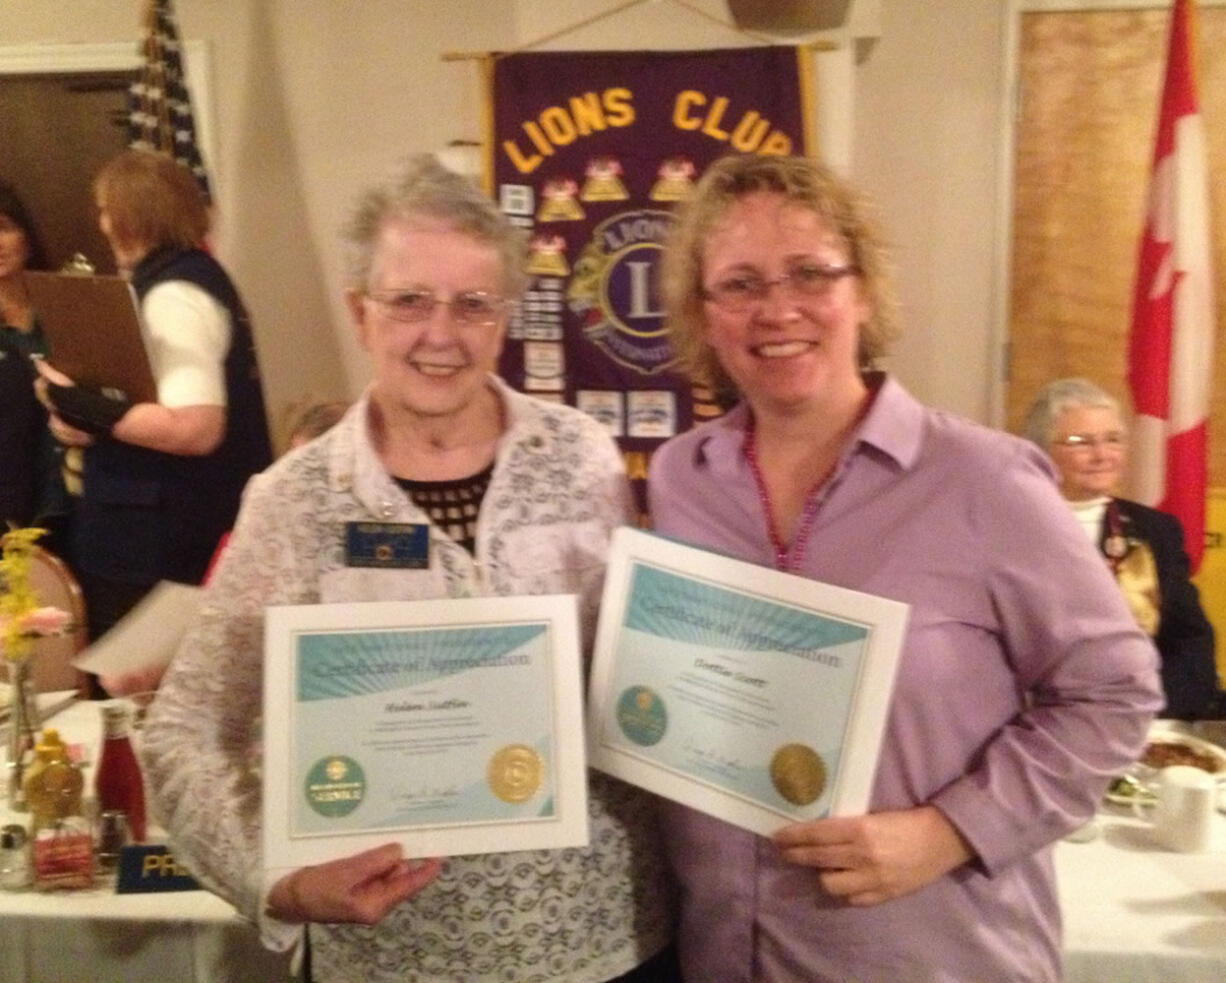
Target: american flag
x=159 y=105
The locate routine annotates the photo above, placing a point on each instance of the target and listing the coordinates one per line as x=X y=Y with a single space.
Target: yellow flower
x=22 y=619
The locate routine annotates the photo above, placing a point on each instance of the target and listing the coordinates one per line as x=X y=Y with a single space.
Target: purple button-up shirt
x=1023 y=686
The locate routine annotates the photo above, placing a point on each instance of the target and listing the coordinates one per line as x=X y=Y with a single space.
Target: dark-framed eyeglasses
x=805 y=281
x=1113 y=441
x=412 y=304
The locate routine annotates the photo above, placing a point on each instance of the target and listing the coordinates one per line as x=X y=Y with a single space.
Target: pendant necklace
x=783 y=561
x=1115 y=546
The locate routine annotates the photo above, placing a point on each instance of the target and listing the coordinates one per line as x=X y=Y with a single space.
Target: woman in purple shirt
x=1023 y=685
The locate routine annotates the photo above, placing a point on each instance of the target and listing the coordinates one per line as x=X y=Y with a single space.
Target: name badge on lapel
x=394 y=545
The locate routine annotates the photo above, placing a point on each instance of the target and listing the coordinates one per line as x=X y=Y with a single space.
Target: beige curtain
x=1088 y=102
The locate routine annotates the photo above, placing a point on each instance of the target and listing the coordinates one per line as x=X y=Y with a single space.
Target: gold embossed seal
x=516 y=773
x=799 y=773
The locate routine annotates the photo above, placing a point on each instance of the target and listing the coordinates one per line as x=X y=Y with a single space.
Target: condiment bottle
x=52 y=784
x=61 y=853
x=118 y=785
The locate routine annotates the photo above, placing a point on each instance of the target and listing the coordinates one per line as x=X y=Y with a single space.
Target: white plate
x=1159 y=735
x=1146 y=776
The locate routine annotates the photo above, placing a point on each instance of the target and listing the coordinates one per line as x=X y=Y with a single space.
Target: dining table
x=96 y=935
x=1136 y=912
x=1133 y=912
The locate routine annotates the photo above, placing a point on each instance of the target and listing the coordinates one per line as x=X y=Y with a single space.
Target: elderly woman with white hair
x=1080 y=425
x=516 y=496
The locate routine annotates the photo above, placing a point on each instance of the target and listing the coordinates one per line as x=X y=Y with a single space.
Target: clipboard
x=93 y=331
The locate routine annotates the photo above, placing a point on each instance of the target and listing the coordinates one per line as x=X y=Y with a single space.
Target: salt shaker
x=14 y=858
x=113 y=836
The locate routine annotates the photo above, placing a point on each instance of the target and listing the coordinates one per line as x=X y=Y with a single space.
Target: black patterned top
x=452 y=505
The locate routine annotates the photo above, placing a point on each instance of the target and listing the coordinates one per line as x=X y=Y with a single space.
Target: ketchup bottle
x=117 y=782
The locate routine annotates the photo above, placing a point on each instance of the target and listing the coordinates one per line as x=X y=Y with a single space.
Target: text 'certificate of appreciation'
x=451 y=726
x=756 y=696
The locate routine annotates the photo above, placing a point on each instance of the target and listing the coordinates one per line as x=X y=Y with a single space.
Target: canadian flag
x=1170 y=354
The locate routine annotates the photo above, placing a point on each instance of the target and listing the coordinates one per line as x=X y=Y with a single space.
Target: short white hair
x=1061 y=395
x=424 y=188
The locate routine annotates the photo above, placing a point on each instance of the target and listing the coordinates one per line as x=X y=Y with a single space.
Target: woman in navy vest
x=162 y=480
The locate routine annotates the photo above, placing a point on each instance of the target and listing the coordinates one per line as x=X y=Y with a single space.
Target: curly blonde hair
x=806 y=183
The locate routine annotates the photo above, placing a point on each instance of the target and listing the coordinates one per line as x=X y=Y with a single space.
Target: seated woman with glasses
x=1082 y=428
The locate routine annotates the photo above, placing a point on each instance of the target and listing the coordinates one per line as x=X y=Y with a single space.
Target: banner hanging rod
x=823 y=45
x=621 y=8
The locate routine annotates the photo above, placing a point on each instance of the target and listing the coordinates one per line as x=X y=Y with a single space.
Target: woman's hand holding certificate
x=362 y=888
x=873 y=858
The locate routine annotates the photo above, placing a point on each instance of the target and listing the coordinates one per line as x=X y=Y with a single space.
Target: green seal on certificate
x=799 y=773
x=641 y=715
x=516 y=773
x=335 y=786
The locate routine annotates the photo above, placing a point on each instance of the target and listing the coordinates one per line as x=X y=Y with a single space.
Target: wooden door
x=56 y=131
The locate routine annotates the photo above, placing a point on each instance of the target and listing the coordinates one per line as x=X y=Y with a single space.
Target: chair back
x=56 y=586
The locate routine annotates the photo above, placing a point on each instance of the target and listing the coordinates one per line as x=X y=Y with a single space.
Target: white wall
x=312 y=98
x=928 y=145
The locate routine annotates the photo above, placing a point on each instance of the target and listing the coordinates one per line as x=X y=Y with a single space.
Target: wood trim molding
x=37 y=59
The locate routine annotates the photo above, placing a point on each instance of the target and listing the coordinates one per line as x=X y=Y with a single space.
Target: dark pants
x=660 y=968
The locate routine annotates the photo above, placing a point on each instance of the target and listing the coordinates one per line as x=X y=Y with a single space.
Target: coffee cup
x=1183 y=815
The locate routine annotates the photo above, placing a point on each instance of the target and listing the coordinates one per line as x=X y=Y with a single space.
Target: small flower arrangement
x=22 y=619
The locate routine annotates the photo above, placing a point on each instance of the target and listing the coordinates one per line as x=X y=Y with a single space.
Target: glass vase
x=24 y=725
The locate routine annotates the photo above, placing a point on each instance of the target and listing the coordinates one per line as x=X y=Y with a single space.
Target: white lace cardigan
x=557 y=491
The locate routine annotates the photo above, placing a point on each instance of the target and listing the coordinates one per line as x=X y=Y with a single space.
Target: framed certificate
x=756 y=696
x=451 y=726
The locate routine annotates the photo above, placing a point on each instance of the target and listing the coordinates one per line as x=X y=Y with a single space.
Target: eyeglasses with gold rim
x=414 y=304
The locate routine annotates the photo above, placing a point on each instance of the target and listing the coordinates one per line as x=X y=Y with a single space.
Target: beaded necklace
x=783 y=561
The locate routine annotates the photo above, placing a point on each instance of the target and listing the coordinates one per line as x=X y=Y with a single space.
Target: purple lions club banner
x=590 y=152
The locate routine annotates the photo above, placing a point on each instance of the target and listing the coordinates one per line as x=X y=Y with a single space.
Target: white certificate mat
x=756 y=696
x=450 y=726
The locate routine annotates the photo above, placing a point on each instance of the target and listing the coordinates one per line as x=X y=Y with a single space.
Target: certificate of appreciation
x=756 y=696
x=450 y=726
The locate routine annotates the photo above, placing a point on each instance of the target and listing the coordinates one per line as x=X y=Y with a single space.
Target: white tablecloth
x=1135 y=913
x=97 y=936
